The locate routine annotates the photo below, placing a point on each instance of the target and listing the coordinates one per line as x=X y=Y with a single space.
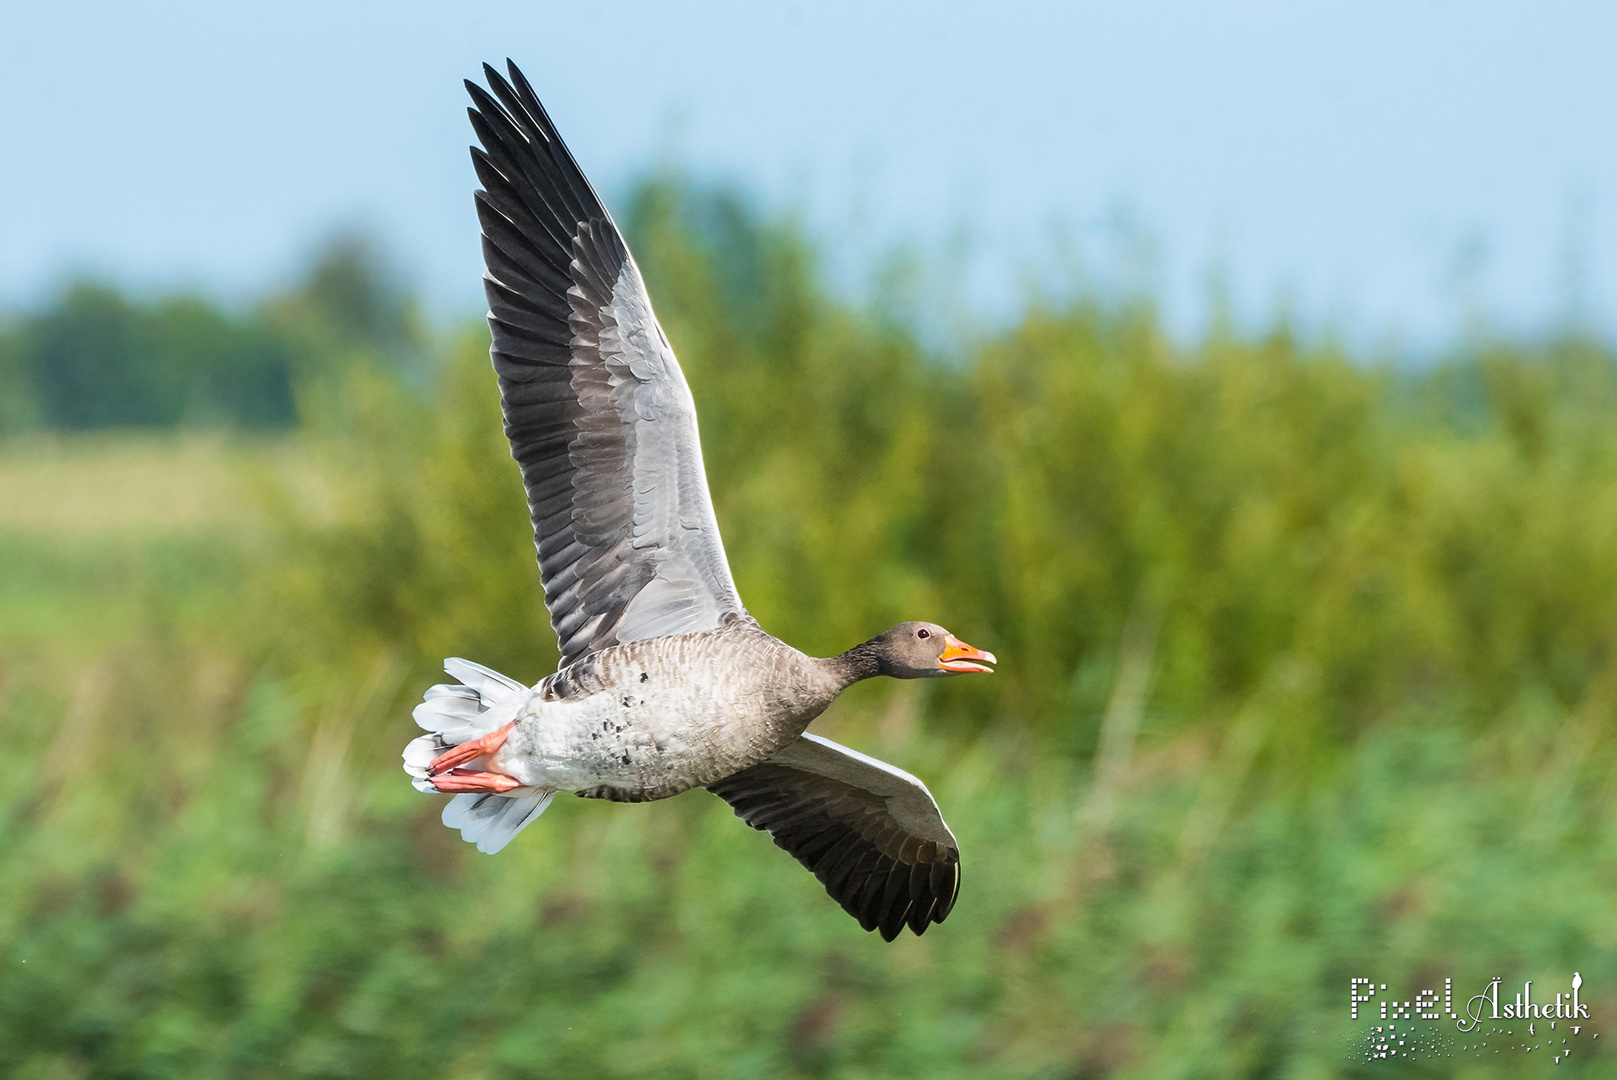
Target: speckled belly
x=645 y=723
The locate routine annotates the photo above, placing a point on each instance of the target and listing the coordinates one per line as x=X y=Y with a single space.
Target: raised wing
x=596 y=408
x=871 y=833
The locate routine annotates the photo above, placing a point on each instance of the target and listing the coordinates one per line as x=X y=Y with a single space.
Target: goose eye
x=923 y=632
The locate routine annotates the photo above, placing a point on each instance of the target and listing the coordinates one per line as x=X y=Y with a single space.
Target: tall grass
x=1305 y=676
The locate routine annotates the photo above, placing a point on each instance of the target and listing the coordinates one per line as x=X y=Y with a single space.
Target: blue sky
x=1390 y=169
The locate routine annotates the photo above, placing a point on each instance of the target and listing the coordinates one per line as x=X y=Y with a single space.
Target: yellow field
x=146 y=485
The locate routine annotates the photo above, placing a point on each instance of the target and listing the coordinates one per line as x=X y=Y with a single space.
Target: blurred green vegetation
x=1306 y=675
x=94 y=358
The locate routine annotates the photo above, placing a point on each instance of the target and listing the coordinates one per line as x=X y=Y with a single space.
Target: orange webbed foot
x=470 y=751
x=462 y=780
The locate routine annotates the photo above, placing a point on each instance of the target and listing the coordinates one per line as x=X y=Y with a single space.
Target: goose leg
x=470 y=751
x=468 y=780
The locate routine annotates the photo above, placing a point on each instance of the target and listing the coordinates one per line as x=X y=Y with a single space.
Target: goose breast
x=650 y=719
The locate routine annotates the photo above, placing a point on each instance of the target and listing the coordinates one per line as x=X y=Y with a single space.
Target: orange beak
x=958 y=658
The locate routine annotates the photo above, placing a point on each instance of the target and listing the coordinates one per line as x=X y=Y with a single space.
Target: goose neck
x=858 y=663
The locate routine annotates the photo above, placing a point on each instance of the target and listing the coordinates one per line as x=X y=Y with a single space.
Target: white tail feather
x=490 y=821
x=482 y=701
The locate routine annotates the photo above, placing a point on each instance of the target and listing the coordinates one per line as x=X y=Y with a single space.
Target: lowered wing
x=871 y=833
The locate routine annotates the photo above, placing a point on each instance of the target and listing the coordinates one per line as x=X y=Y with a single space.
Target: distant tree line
x=94 y=357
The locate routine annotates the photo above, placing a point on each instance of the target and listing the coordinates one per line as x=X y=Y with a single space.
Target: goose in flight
x=665 y=682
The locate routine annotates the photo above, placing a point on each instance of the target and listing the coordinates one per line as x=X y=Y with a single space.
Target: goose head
x=923 y=650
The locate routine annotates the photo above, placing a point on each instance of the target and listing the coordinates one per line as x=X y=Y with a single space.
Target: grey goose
x=665 y=682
